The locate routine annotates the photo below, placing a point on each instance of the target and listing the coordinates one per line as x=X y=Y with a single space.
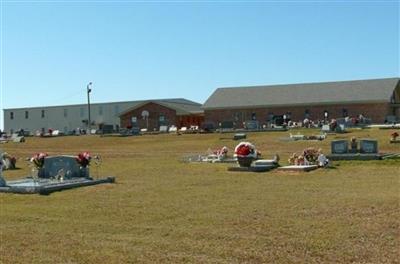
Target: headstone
x=54 y=166
x=341 y=128
x=164 y=129
x=252 y=125
x=19 y=139
x=368 y=146
x=227 y=125
x=239 y=136
x=325 y=128
x=391 y=119
x=107 y=129
x=135 y=131
x=339 y=147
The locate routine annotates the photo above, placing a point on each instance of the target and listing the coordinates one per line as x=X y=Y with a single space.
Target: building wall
x=56 y=117
x=190 y=120
x=155 y=112
x=376 y=111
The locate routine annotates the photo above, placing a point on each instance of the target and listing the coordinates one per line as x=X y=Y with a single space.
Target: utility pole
x=89 y=89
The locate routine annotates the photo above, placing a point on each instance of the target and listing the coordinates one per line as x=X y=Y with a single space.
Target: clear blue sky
x=137 y=50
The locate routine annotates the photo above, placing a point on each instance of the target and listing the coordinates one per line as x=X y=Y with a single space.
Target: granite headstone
x=368 y=146
x=339 y=146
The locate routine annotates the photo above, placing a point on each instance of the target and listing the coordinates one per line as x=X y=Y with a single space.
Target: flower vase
x=245 y=161
x=85 y=172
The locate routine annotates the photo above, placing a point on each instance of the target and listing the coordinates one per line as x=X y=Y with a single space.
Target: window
x=134 y=119
x=42 y=114
x=65 y=112
x=345 y=112
x=253 y=116
x=26 y=114
x=82 y=112
x=100 y=110
x=11 y=115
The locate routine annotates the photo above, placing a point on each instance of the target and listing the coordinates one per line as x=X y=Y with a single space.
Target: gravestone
x=19 y=139
x=66 y=165
x=164 y=129
x=239 y=136
x=227 y=125
x=368 y=146
x=107 y=129
x=252 y=125
x=339 y=147
x=326 y=128
x=341 y=128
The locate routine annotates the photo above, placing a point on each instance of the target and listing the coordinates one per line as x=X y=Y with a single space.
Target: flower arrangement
x=38 y=159
x=311 y=155
x=246 y=150
x=221 y=153
x=245 y=153
x=84 y=159
x=8 y=161
x=297 y=160
x=394 y=135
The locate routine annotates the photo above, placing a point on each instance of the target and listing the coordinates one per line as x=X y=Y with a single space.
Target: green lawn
x=162 y=210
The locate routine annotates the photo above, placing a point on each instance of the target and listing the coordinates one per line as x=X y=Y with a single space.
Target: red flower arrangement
x=246 y=150
x=84 y=159
x=38 y=159
x=394 y=135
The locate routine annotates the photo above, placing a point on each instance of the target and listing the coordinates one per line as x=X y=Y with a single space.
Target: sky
x=135 y=50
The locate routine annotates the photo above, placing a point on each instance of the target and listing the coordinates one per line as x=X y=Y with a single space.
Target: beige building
x=67 y=118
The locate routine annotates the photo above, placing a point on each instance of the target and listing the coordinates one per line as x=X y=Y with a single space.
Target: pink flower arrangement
x=221 y=153
x=38 y=159
x=84 y=159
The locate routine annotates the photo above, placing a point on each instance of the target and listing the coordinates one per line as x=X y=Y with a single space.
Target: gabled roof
x=181 y=106
x=376 y=90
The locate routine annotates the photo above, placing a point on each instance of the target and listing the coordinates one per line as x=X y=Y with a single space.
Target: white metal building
x=67 y=118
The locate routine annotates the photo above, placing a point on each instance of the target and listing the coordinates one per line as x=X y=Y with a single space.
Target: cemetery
x=176 y=212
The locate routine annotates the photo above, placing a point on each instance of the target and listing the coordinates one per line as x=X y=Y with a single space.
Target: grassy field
x=164 y=211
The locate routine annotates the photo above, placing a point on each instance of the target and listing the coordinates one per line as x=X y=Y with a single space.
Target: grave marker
x=339 y=146
x=368 y=146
